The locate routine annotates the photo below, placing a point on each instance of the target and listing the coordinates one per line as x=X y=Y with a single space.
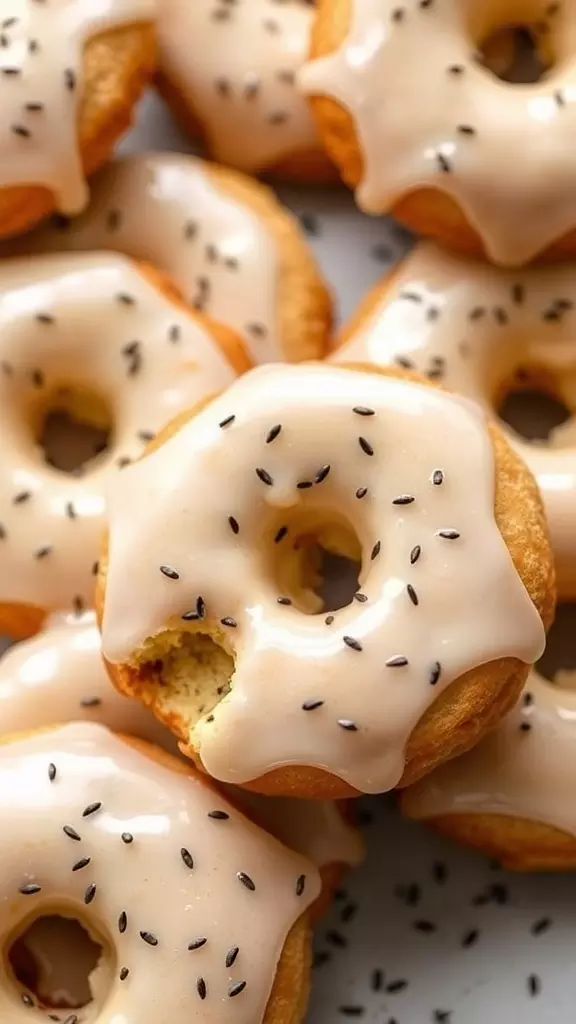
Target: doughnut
x=512 y=796
x=198 y=911
x=207 y=594
x=484 y=331
x=114 y=345
x=418 y=127
x=233 y=251
x=58 y=676
x=71 y=75
x=238 y=85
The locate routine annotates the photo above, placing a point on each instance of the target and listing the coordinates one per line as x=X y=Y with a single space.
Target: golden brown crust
x=310 y=166
x=473 y=703
x=517 y=843
x=426 y=211
x=117 y=66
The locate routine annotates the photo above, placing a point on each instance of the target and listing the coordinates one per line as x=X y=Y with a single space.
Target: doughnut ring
x=163 y=872
x=230 y=247
x=219 y=605
x=112 y=344
x=421 y=129
x=70 y=78
x=482 y=332
x=239 y=90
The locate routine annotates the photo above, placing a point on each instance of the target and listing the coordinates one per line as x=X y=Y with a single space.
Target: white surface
x=489 y=980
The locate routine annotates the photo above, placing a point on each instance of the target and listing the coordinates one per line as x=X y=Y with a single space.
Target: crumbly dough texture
x=455 y=722
x=117 y=67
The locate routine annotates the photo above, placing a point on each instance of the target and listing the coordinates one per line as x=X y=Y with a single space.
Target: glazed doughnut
x=482 y=331
x=114 y=345
x=513 y=795
x=70 y=75
x=197 y=910
x=233 y=251
x=203 y=601
x=237 y=85
x=58 y=676
x=419 y=128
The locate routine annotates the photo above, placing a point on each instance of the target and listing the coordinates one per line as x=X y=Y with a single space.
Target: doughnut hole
x=58 y=962
x=531 y=402
x=72 y=425
x=517 y=54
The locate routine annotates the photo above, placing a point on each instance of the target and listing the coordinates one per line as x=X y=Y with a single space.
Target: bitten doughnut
x=231 y=248
x=206 y=595
x=483 y=332
x=114 y=345
x=420 y=128
x=58 y=676
x=200 y=914
x=70 y=74
x=513 y=795
x=229 y=71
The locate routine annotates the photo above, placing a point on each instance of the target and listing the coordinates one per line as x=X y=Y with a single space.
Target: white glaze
x=146 y=878
x=58 y=676
x=239 y=77
x=513 y=178
x=524 y=769
x=476 y=352
x=41 y=62
x=167 y=208
x=468 y=613
x=97 y=305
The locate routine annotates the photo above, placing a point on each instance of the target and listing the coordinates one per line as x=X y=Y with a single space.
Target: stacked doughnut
x=189 y=697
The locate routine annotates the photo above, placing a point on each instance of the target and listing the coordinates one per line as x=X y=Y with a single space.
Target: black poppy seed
x=304 y=485
x=559 y=98
x=412 y=594
x=393 y=987
x=377 y=979
x=432 y=314
x=375 y=551
x=90 y=893
x=437 y=477
x=44 y=318
x=360 y=597
x=9 y=22
x=396 y=661
x=187 y=858
x=435 y=673
x=321 y=474
x=174 y=334
x=256 y=330
x=311 y=705
x=329 y=620
x=518 y=293
x=233 y=523
x=470 y=938
x=528 y=699
x=500 y=315
x=197 y=943
x=113 y=220
x=283 y=600
x=300 y=884
x=91 y=809
x=170 y=573
x=466 y=129
x=21 y=498
x=229 y=621
x=363 y=410
x=403 y=499
x=227 y=421
x=219 y=815
x=246 y=880
x=125 y=299
x=236 y=989
x=70 y=79
x=26 y=999
x=534 y=985
x=201 y=988
x=190 y=230
x=415 y=554
x=30 y=889
x=231 y=955
x=122 y=922
x=43 y=552
x=355 y=645
x=365 y=446
x=78 y=604
x=361 y=492
x=404 y=362
x=336 y=938
x=348 y=913
x=264 y=476
x=90 y=702
x=443 y=163
x=127 y=838
x=352 y=1010
x=71 y=832
x=448 y=534
x=525 y=727
x=124 y=972
x=21 y=130
x=441 y=1016
x=51 y=771
x=273 y=433
x=145 y=435
x=33 y=46
x=83 y=863
x=11 y=71
x=70 y=510
x=540 y=926
x=149 y=938
x=347 y=724
x=190 y=616
x=411 y=296
x=280 y=534
x=424 y=926
x=456 y=69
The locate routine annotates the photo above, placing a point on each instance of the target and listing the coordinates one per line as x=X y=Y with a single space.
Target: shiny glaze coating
x=287 y=450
